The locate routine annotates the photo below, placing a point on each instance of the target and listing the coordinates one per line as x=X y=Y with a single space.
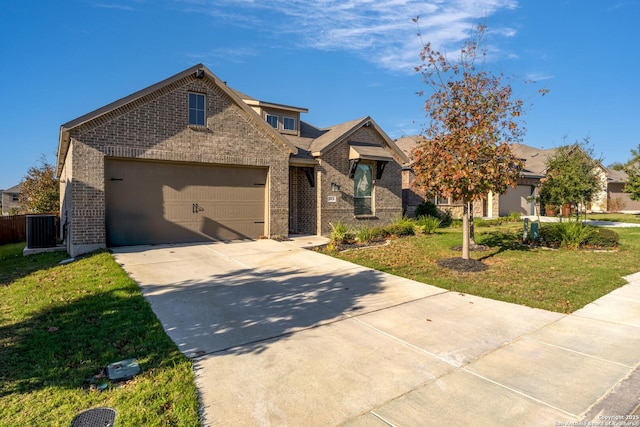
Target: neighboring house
x=615 y=192
x=11 y=200
x=189 y=159
x=523 y=198
x=411 y=197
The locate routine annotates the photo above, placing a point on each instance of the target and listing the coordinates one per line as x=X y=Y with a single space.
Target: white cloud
x=114 y=6
x=223 y=55
x=379 y=30
x=537 y=77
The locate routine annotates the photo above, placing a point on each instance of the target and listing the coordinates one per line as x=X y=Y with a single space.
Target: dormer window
x=272 y=120
x=196 y=109
x=289 y=123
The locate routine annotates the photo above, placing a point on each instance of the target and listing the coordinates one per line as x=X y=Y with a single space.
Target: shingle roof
x=15 y=189
x=617 y=176
x=407 y=143
x=535 y=159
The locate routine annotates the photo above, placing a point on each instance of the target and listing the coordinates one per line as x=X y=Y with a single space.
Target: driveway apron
x=283 y=336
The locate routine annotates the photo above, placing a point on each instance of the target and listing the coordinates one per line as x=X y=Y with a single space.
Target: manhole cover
x=98 y=417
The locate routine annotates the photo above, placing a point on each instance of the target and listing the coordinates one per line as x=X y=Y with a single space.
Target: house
x=11 y=200
x=523 y=198
x=412 y=197
x=616 y=196
x=189 y=159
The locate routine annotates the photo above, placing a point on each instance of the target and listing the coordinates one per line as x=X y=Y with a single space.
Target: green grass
x=60 y=325
x=557 y=280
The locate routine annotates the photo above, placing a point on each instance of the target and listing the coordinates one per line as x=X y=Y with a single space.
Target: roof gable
x=199 y=71
x=332 y=136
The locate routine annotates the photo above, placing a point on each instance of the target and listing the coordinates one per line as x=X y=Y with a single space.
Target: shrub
x=514 y=216
x=567 y=234
x=401 y=226
x=603 y=238
x=379 y=232
x=616 y=204
x=479 y=222
x=340 y=233
x=427 y=224
x=399 y=230
x=427 y=208
x=455 y=222
x=446 y=218
x=365 y=234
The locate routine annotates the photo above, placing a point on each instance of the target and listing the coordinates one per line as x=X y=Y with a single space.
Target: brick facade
x=155 y=127
x=303 y=214
x=334 y=168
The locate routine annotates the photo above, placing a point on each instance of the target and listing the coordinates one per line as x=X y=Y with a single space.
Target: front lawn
x=61 y=325
x=558 y=280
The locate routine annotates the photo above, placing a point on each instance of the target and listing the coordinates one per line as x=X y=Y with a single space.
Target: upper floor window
x=196 y=109
x=272 y=120
x=289 y=123
x=15 y=197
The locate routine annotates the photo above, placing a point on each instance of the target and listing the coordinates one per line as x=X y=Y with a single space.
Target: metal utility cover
x=123 y=370
x=104 y=417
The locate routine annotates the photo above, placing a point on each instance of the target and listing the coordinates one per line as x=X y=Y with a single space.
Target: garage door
x=515 y=200
x=154 y=202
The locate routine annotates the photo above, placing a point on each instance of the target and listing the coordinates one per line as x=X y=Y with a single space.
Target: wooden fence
x=13 y=229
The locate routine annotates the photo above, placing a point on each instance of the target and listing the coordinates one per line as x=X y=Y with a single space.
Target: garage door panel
x=515 y=200
x=153 y=202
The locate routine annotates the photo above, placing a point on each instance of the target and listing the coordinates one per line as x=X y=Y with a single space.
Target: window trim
x=198 y=121
x=371 y=196
x=284 y=124
x=267 y=116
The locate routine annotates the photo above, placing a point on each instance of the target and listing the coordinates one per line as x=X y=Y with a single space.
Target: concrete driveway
x=284 y=336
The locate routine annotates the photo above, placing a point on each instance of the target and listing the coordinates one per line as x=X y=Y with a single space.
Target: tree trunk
x=472 y=229
x=465 y=232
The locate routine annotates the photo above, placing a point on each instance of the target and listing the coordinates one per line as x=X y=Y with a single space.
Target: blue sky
x=341 y=59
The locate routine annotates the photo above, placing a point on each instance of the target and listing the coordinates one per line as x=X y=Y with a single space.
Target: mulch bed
x=463 y=265
x=359 y=245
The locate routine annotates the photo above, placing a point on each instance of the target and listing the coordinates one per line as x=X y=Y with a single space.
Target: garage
x=515 y=200
x=149 y=202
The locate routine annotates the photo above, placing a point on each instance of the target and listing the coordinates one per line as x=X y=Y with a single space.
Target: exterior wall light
x=335 y=187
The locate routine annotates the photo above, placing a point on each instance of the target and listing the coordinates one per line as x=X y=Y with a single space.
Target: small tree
x=40 y=189
x=465 y=153
x=571 y=176
x=632 y=169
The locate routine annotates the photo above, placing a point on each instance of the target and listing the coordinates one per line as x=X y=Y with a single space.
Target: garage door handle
x=195 y=208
